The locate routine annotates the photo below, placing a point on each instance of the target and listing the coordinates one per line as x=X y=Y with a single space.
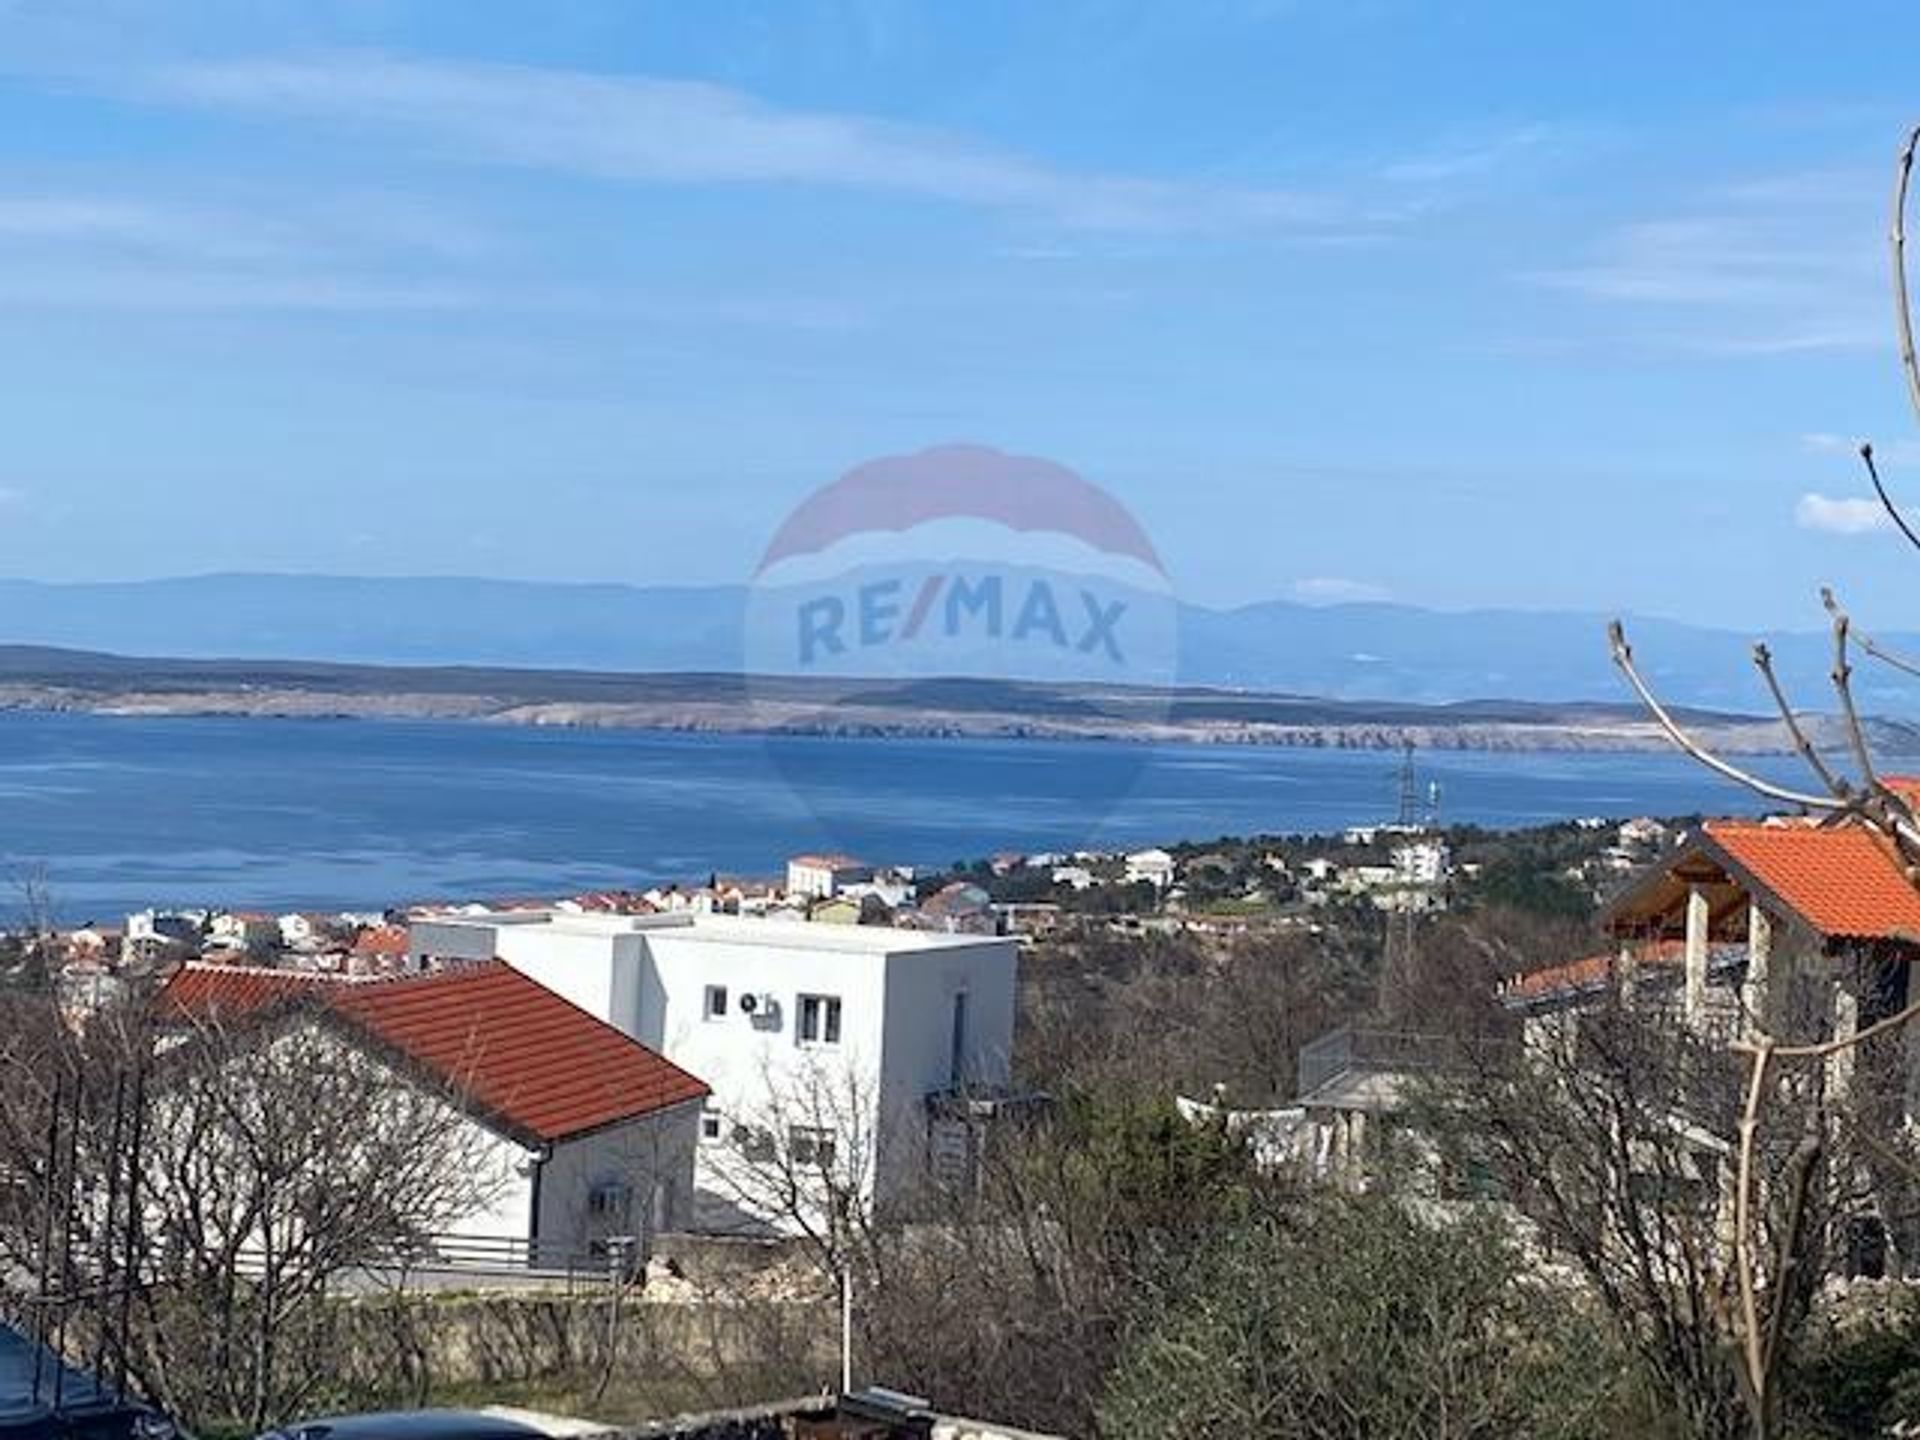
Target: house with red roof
x=591 y=1133
x=1742 y=919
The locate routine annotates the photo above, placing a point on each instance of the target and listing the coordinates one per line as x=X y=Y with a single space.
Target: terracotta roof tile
x=1843 y=880
x=233 y=991
x=538 y=1065
x=1907 y=787
x=382 y=940
x=1589 y=972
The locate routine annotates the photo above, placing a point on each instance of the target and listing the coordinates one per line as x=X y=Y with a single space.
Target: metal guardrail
x=1372 y=1052
x=501 y=1257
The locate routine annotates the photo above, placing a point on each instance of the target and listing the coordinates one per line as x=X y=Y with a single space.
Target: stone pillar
x=1627 y=966
x=1694 y=998
x=1756 y=998
x=1846 y=1024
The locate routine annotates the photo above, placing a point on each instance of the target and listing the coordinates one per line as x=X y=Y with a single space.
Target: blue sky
x=1546 y=306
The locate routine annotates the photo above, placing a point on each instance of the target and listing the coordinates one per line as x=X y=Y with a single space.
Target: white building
x=823 y=1043
x=242 y=930
x=154 y=933
x=821 y=877
x=1422 y=862
x=572 y=1166
x=891 y=885
x=1153 y=866
x=298 y=929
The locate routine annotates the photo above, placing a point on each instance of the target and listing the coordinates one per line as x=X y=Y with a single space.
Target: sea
x=118 y=813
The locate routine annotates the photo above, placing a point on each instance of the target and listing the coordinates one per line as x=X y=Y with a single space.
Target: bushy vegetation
x=1345 y=1317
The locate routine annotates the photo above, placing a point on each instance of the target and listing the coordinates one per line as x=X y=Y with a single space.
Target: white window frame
x=812 y=1145
x=829 y=1017
x=713 y=992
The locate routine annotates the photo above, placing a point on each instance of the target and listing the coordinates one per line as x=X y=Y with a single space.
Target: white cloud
x=645 y=129
x=95 y=287
x=1336 y=590
x=1850 y=515
x=1762 y=266
x=1467 y=160
x=69 y=249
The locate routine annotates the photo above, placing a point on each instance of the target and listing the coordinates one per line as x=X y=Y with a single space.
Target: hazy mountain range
x=1375 y=652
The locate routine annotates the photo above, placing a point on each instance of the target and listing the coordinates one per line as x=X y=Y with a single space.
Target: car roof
x=409 y=1425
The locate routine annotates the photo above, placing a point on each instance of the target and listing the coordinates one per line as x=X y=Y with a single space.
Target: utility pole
x=846 y=1329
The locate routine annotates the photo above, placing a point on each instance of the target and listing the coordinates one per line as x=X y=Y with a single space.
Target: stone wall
x=424 y=1343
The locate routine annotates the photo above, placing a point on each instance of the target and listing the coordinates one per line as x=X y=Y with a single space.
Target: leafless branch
x=1763 y=661
x=1903 y=309
x=1885 y=656
x=1623 y=657
x=1880 y=489
x=1843 y=688
x=1751 y=1350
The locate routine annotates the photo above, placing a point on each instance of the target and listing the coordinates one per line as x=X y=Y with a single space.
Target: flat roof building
x=828 y=1047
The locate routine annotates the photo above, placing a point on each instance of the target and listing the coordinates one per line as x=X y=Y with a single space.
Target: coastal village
x=641 y=1069
x=647 y=1080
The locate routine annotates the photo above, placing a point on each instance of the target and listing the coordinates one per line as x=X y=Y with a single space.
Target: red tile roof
x=1844 y=880
x=233 y=991
x=534 y=1065
x=382 y=940
x=1907 y=787
x=1589 y=972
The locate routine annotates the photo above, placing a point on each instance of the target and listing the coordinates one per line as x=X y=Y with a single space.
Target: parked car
x=436 y=1425
x=44 y=1398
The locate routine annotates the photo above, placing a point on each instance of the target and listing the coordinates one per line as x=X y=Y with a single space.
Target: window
x=753 y=1143
x=608 y=1201
x=716 y=1002
x=957 y=1042
x=819 y=1020
x=809 y=1146
x=710 y=1126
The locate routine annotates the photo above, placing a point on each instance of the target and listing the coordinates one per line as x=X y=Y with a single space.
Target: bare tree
x=1770 y=1271
x=28 y=950
x=1617 y=1134
x=205 y=1232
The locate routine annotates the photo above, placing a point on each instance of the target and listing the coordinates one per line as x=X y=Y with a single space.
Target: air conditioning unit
x=752 y=1004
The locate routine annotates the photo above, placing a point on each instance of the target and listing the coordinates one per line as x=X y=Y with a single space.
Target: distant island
x=1363 y=651
x=38 y=678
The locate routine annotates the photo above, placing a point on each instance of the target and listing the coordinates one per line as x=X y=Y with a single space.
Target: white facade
x=821 y=877
x=806 y=1033
x=1153 y=866
x=566 y=1199
x=553 y=1203
x=297 y=929
x=1422 y=862
x=233 y=930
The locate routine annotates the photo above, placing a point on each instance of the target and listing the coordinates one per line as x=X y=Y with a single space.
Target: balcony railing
x=1351 y=1051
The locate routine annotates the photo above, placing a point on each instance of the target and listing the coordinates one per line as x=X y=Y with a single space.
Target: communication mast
x=1409 y=816
x=1397 y=965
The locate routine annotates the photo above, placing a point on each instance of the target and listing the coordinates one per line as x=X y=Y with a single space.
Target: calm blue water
x=282 y=813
